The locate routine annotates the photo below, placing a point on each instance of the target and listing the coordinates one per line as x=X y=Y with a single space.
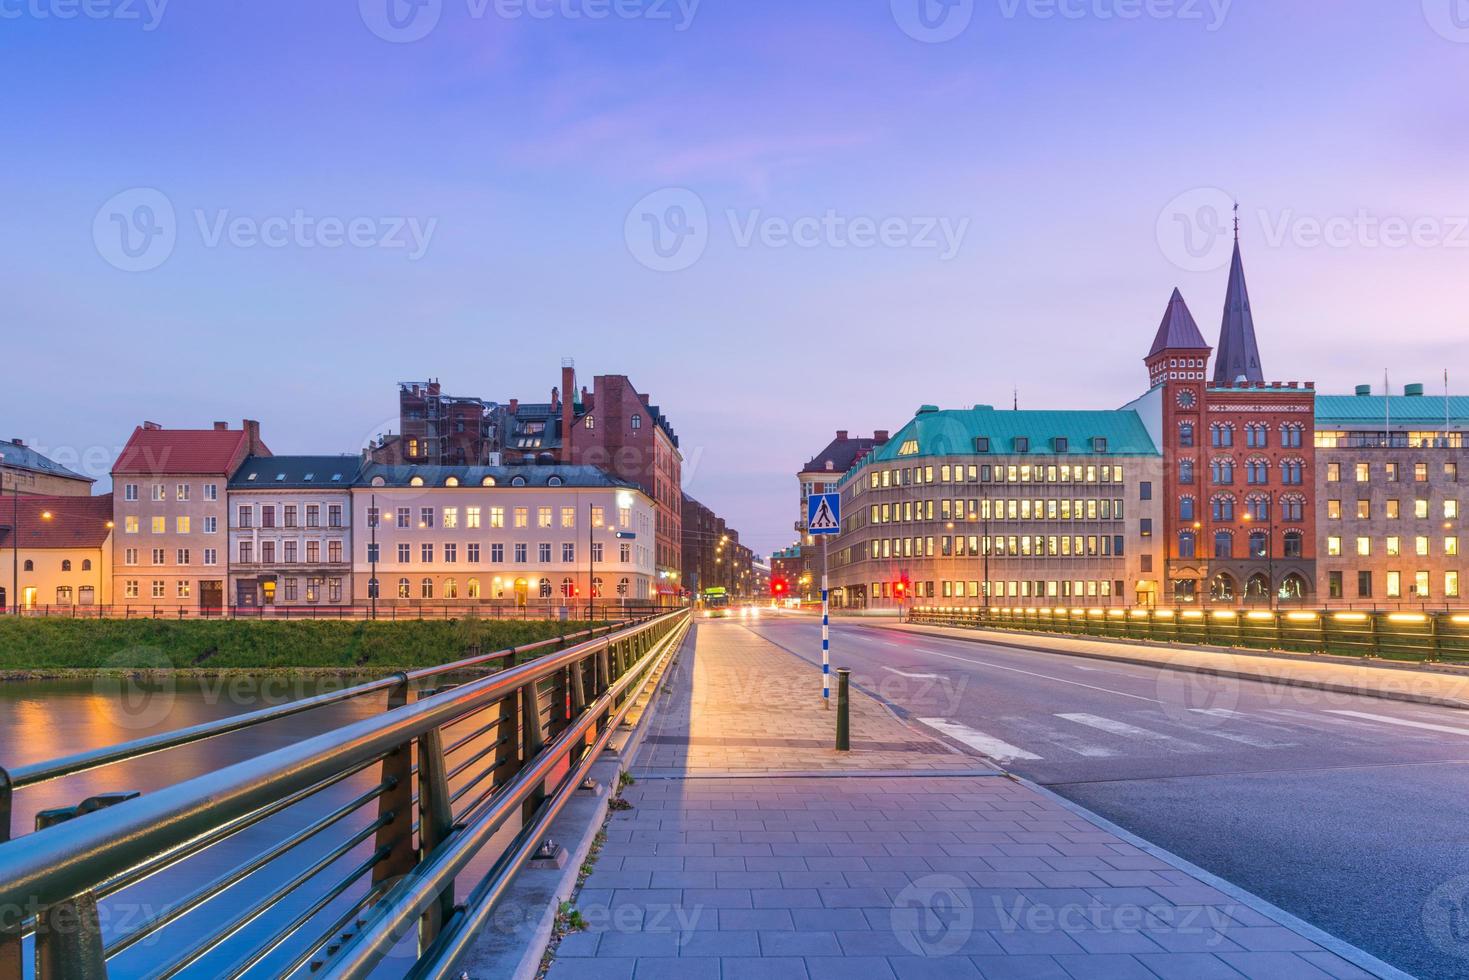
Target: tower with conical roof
x=1239 y=352
x=1179 y=351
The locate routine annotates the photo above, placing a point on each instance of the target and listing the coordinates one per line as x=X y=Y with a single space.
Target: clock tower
x=1178 y=364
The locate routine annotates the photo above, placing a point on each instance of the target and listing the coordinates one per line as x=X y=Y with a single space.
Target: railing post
x=69 y=933
x=395 y=805
x=533 y=732
x=435 y=823
x=10 y=962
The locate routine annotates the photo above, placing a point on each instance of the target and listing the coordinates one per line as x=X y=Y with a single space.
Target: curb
x=987 y=637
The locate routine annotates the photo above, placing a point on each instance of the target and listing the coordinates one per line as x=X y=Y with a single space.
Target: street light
x=14 y=542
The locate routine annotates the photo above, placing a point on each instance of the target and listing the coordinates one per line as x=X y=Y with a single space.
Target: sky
x=780 y=218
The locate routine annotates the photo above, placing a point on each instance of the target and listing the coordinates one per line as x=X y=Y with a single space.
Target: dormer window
x=452 y=481
x=1099 y=444
x=981 y=444
x=518 y=481
x=417 y=481
x=488 y=481
x=554 y=481
x=1022 y=444
x=1061 y=444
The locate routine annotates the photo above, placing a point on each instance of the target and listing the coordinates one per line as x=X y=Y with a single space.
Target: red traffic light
x=778 y=586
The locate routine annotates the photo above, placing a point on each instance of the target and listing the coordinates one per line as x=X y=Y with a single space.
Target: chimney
x=880 y=437
x=152 y=426
x=19 y=442
x=252 y=435
x=555 y=399
x=841 y=435
x=568 y=411
x=221 y=426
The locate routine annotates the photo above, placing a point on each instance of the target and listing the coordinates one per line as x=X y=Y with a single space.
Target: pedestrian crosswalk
x=1198 y=731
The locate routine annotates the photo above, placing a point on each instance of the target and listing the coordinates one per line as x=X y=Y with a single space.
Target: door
x=211 y=594
x=28 y=597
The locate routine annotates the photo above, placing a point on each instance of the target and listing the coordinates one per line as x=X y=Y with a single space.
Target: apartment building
x=290 y=532
x=977 y=506
x=1391 y=501
x=170 y=546
x=65 y=552
x=523 y=536
x=25 y=471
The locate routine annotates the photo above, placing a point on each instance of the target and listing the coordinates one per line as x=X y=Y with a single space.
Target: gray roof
x=25 y=458
x=1239 y=351
x=1178 y=331
x=588 y=477
x=296 y=472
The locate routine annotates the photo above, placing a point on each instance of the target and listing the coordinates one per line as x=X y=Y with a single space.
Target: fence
x=1425 y=637
x=383 y=611
x=356 y=836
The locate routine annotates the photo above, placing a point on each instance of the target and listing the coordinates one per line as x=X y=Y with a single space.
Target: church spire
x=1239 y=352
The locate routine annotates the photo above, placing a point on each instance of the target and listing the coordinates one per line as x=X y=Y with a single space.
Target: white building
x=522 y=536
x=290 y=531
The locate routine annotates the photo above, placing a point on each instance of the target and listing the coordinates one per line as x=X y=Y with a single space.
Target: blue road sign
x=824 y=513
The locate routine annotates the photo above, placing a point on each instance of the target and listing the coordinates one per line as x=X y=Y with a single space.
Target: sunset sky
x=854 y=216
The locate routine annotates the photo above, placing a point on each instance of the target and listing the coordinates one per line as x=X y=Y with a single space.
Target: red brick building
x=1239 y=462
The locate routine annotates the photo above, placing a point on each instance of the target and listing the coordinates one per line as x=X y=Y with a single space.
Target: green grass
x=60 y=646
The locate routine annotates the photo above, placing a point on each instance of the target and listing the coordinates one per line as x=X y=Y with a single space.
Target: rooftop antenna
x=1387 y=404
x=1017 y=400
x=1236 y=222
x=1446 y=436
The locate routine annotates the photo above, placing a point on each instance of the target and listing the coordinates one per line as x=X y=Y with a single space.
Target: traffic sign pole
x=825 y=633
x=823 y=519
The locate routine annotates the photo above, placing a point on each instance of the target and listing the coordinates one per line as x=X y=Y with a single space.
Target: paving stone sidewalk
x=761 y=858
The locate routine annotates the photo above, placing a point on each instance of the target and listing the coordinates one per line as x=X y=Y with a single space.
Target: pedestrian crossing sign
x=824 y=513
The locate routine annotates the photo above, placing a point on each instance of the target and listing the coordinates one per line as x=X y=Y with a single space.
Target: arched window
x=622 y=587
x=472 y=589
x=1293 y=508
x=1186 y=509
x=426 y=589
x=637 y=421
x=1294 y=587
x=1187 y=546
x=1258 y=508
x=568 y=588
x=1221 y=436
x=1222 y=588
x=29 y=565
x=451 y=588
x=1257 y=471
x=1185 y=590
x=1222 y=471
x=1295 y=544
x=404 y=589
x=66 y=564
x=1186 y=471
x=597 y=588
x=1223 y=508
x=1258 y=587
x=86 y=564
x=1223 y=544
x=1186 y=435
x=63 y=595
x=1259 y=544
x=545 y=588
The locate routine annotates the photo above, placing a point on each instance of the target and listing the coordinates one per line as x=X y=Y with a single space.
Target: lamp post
x=14 y=542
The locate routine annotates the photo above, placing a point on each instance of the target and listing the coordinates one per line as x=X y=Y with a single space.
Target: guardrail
x=1425 y=637
x=357 y=836
x=391 y=612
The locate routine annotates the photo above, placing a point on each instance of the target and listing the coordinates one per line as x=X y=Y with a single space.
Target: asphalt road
x=1350 y=812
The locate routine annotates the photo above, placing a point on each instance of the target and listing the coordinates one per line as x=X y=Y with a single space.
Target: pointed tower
x=1179 y=351
x=1239 y=353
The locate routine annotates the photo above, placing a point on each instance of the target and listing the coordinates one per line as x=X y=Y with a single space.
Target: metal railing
x=1424 y=637
x=328 y=855
x=399 y=611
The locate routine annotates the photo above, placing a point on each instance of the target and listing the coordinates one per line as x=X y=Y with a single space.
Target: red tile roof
x=75 y=522
x=198 y=451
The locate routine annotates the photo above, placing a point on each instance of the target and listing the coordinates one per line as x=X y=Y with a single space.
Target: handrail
x=40 y=772
x=72 y=863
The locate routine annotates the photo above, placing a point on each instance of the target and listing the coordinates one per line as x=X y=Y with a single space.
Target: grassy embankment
x=72 y=647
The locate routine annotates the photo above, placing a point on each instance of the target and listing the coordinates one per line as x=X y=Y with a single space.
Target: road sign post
x=824 y=519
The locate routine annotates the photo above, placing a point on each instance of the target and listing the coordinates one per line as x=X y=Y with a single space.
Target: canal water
x=43 y=720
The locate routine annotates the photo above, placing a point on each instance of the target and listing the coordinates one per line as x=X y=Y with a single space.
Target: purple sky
x=854 y=217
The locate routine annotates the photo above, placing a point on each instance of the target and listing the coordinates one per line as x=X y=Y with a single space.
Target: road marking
x=1031 y=673
x=1387 y=720
x=1125 y=730
x=916 y=677
x=997 y=749
x=1045 y=733
x=1217 y=712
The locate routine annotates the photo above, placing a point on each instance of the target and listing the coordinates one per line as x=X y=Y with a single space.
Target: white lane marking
x=1217 y=712
x=1320 y=722
x=1386 y=720
x=1045 y=733
x=1031 y=673
x=995 y=748
x=916 y=677
x=1240 y=737
x=1126 y=730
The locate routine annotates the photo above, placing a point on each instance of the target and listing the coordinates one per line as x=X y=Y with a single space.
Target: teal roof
x=1425 y=410
x=952 y=433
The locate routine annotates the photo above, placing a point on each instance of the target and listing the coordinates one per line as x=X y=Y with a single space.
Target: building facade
x=979 y=507
x=713 y=557
x=25 y=471
x=64 y=558
x=436 y=429
x=170 y=502
x=1390 y=506
x=528 y=537
x=290 y=532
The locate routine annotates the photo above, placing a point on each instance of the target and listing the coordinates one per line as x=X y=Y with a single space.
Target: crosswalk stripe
x=1128 y=731
x=917 y=677
x=995 y=748
x=1360 y=728
x=1066 y=740
x=1386 y=720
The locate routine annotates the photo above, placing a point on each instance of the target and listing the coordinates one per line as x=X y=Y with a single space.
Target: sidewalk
x=755 y=850
x=1416 y=684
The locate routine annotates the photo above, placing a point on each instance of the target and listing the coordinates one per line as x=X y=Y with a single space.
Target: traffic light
x=778 y=587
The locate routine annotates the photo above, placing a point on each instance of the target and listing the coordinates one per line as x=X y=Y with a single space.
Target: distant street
x=1346 y=811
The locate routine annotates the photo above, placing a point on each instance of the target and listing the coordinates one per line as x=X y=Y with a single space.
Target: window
x=404 y=589
x=334 y=552
x=130 y=492
x=182 y=590
x=637 y=421
x=1451 y=510
x=1334 y=585
x=568 y=552
x=405 y=553
x=1295 y=544
x=451 y=553
x=373 y=517
x=1223 y=544
x=497 y=553
x=425 y=517
x=543 y=517
x=1333 y=472
x=1186 y=471
x=426 y=589
x=1421 y=587
x=521 y=554
x=1186 y=509
x=1364 y=585
x=1450 y=585
x=1364 y=547
x=1391 y=469
x=267 y=552
x=1394 y=546
x=405 y=516
x=211 y=556
x=130 y=524
x=568 y=588
x=373 y=552
x=159 y=588
x=246 y=516
x=1333 y=547
x=544 y=552
x=158 y=492
x=1223 y=471
x=87 y=595
x=522 y=517
x=247 y=552
x=1420 y=509
x=63 y=595
x=130 y=556
x=130 y=588
x=568 y=517
x=1221 y=436
x=451 y=518
x=451 y=588
x=1333 y=510
x=1420 y=472
x=160 y=525
x=426 y=553
x=1186 y=435
x=1364 y=472
x=599 y=516
x=158 y=557
x=1223 y=508
x=1145 y=490
x=1394 y=510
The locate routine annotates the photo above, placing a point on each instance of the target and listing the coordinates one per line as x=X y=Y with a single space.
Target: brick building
x=713 y=557
x=443 y=430
x=1240 y=521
